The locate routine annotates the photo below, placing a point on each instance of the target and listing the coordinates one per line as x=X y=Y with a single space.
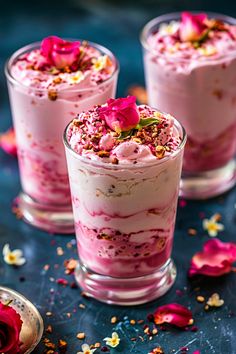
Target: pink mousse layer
x=124 y=210
x=42 y=105
x=89 y=136
x=196 y=85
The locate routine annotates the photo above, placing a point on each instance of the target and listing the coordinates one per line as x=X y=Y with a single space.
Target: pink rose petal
x=192 y=26
x=121 y=114
x=175 y=314
x=60 y=53
x=216 y=259
x=8 y=142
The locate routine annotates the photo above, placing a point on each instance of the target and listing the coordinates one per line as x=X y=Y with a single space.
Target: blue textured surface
x=116 y=28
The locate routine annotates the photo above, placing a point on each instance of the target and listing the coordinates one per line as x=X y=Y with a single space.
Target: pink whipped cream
x=89 y=136
x=166 y=41
x=94 y=68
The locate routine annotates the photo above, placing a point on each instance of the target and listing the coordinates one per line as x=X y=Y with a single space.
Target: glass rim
x=35 y=45
x=127 y=166
x=153 y=23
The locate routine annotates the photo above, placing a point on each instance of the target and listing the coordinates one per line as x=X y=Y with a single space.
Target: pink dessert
x=124 y=164
x=48 y=85
x=190 y=69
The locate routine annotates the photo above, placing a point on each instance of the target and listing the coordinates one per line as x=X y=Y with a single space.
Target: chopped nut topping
x=114 y=319
x=200 y=298
x=52 y=95
x=81 y=335
x=103 y=153
x=160 y=151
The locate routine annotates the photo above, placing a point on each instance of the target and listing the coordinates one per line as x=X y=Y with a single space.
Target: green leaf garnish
x=202 y=39
x=145 y=122
x=125 y=135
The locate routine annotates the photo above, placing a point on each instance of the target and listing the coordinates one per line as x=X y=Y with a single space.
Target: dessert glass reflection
x=50 y=82
x=124 y=163
x=190 y=72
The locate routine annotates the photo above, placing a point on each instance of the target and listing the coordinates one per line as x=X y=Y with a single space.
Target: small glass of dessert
x=124 y=163
x=190 y=72
x=50 y=82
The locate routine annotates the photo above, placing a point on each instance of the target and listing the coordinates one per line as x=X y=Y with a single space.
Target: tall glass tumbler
x=40 y=117
x=124 y=221
x=201 y=94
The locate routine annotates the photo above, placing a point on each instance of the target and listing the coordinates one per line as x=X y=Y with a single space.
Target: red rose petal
x=175 y=314
x=192 y=26
x=60 y=53
x=121 y=114
x=216 y=259
x=8 y=142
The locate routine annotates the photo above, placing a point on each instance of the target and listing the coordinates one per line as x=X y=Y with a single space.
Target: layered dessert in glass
x=49 y=83
x=124 y=163
x=190 y=72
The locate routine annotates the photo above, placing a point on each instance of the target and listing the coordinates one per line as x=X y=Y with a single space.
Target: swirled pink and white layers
x=43 y=101
x=196 y=82
x=124 y=192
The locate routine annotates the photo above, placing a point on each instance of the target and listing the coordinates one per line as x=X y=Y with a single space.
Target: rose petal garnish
x=214 y=260
x=8 y=142
x=175 y=314
x=192 y=26
x=10 y=327
x=121 y=114
x=60 y=53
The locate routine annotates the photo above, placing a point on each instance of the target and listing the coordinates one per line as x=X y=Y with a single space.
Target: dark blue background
x=116 y=25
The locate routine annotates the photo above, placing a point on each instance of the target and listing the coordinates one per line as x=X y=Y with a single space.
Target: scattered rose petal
x=212 y=226
x=62 y=281
x=10 y=327
x=8 y=142
x=175 y=314
x=86 y=349
x=214 y=260
x=192 y=26
x=121 y=114
x=14 y=257
x=60 y=53
x=70 y=265
x=113 y=341
x=215 y=300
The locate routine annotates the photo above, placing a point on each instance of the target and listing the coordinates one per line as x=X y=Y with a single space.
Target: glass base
x=126 y=291
x=209 y=183
x=53 y=219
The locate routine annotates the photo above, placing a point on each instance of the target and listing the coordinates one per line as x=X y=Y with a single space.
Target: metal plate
x=32 y=327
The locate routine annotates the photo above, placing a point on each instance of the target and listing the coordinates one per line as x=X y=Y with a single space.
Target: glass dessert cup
x=124 y=221
x=202 y=96
x=39 y=121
